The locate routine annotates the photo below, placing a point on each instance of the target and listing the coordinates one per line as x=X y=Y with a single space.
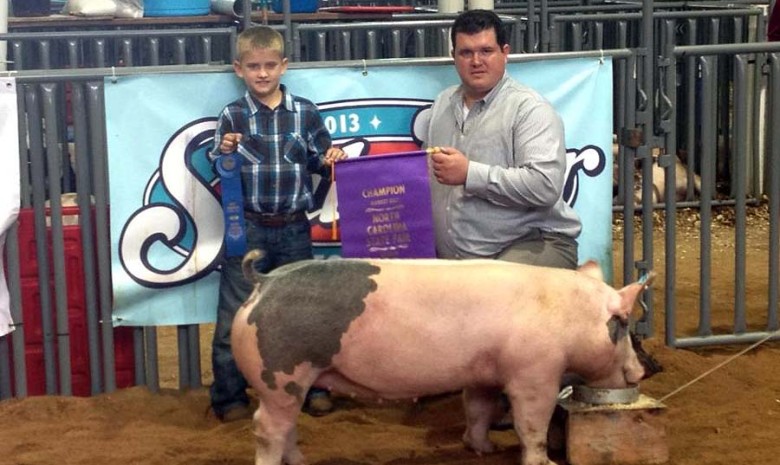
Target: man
x=499 y=173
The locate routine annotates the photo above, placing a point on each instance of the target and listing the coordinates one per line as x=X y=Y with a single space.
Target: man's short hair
x=257 y=37
x=474 y=21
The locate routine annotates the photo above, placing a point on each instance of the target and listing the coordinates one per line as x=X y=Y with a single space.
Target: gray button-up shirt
x=514 y=141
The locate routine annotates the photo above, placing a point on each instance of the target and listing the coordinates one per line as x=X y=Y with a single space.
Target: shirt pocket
x=255 y=148
x=274 y=149
x=294 y=148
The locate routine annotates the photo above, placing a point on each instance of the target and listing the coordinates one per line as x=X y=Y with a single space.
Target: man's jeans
x=285 y=244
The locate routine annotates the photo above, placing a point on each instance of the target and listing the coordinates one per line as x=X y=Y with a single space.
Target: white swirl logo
x=176 y=237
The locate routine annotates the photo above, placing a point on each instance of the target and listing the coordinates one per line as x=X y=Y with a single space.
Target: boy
x=281 y=139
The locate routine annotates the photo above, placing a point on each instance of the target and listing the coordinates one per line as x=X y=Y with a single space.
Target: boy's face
x=261 y=69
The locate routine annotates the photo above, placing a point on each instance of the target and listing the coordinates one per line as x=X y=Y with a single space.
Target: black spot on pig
x=305 y=308
x=268 y=379
x=617 y=329
x=295 y=390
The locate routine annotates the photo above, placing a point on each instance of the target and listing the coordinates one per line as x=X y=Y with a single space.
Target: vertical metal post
x=621 y=110
x=774 y=191
x=54 y=166
x=152 y=371
x=44 y=50
x=629 y=207
x=645 y=121
x=127 y=52
x=17 y=51
x=73 y=53
x=99 y=46
x=371 y=45
x=193 y=342
x=544 y=25
x=530 y=30
x=96 y=114
x=297 y=46
x=180 y=50
x=246 y=20
x=154 y=51
x=207 y=54
x=669 y=124
x=395 y=41
x=182 y=343
x=14 y=272
x=38 y=178
x=740 y=163
x=139 y=345
x=84 y=189
x=288 y=41
x=708 y=156
x=5 y=369
x=691 y=90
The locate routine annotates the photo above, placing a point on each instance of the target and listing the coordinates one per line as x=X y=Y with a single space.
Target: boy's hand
x=229 y=142
x=334 y=154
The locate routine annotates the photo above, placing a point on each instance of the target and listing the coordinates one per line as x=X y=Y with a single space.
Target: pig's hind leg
x=275 y=430
x=292 y=454
x=481 y=406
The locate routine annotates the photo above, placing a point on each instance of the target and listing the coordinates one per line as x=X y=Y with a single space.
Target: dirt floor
x=731 y=416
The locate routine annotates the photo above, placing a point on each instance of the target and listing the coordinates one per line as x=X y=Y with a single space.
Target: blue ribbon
x=229 y=169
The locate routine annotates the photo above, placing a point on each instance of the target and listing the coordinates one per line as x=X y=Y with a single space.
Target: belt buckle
x=274 y=219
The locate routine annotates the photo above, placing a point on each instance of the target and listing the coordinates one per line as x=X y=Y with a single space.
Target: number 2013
x=344 y=123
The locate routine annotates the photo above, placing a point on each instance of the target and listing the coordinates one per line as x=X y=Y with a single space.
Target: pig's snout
x=633 y=371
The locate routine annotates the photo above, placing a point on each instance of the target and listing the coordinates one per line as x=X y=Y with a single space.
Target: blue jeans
x=282 y=245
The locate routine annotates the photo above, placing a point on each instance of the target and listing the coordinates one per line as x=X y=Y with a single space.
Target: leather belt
x=274 y=220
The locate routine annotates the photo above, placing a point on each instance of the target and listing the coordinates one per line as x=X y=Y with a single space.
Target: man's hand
x=450 y=166
x=334 y=154
x=229 y=142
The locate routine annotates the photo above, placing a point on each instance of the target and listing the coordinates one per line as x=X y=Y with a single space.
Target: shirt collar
x=487 y=99
x=255 y=105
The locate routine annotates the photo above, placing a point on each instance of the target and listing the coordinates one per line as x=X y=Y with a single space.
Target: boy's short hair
x=259 y=37
x=475 y=21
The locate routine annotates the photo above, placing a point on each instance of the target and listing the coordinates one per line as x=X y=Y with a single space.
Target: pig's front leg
x=533 y=404
x=481 y=406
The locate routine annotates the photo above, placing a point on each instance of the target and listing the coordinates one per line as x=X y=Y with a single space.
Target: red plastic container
x=77 y=315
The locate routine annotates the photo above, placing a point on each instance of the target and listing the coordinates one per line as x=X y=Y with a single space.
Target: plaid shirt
x=281 y=148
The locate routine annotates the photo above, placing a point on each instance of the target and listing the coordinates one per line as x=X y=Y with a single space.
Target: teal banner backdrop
x=167 y=226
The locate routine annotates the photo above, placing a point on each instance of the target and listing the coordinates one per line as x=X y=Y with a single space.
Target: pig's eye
x=617 y=329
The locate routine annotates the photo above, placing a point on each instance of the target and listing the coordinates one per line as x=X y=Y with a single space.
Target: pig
x=681 y=181
x=404 y=329
x=659 y=183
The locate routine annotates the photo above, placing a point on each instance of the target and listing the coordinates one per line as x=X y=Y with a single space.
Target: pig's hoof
x=483 y=446
x=294 y=458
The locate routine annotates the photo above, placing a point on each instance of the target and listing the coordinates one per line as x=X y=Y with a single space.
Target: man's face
x=261 y=69
x=480 y=61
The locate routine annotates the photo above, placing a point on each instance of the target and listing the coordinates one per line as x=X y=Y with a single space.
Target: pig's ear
x=592 y=269
x=630 y=293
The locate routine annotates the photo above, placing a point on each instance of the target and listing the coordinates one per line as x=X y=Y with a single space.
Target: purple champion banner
x=384 y=204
